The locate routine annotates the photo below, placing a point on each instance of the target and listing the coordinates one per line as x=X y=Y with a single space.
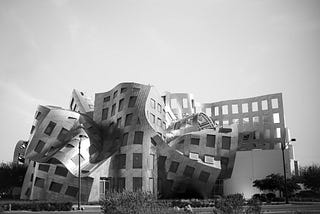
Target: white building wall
x=253 y=165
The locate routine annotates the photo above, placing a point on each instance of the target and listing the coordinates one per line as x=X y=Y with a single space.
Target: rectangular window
x=264 y=104
x=188 y=171
x=235 y=121
x=204 y=176
x=162 y=161
x=72 y=191
x=245 y=120
x=208 y=112
x=159 y=122
x=216 y=110
x=226 y=142
x=44 y=167
x=132 y=101
x=137 y=161
x=38 y=115
x=113 y=110
x=159 y=108
x=120 y=161
x=115 y=94
x=164 y=126
x=137 y=183
x=121 y=184
x=174 y=166
x=255 y=119
x=174 y=103
x=128 y=121
x=256 y=135
x=125 y=139
x=119 y=123
x=39 y=182
x=153 y=103
x=39 y=146
x=138 y=137
x=32 y=129
x=105 y=113
x=184 y=103
x=106 y=99
x=121 y=102
x=50 y=128
x=245 y=108
x=276 y=118
x=267 y=134
x=211 y=140
x=62 y=135
x=193 y=156
x=225 y=122
x=235 y=109
x=151 y=185
x=55 y=187
x=255 y=106
x=62 y=171
x=195 y=141
x=274 y=103
x=225 y=109
x=208 y=159
x=277 y=133
x=152 y=156
x=123 y=90
x=153 y=118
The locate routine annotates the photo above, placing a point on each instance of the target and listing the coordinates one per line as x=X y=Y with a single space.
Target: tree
x=310 y=177
x=11 y=175
x=275 y=182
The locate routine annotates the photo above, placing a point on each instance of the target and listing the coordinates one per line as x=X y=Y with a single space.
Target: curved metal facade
x=135 y=139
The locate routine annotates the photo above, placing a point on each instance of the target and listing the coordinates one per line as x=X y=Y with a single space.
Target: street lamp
x=79 y=171
x=283 y=147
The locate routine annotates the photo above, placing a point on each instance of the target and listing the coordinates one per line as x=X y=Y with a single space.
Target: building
x=133 y=138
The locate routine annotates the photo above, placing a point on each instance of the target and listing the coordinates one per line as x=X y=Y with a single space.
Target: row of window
x=159 y=121
x=255 y=120
x=123 y=90
x=244 y=107
x=119 y=184
x=62 y=171
x=158 y=106
x=131 y=104
x=56 y=187
x=119 y=161
x=189 y=171
x=210 y=142
x=267 y=134
x=174 y=103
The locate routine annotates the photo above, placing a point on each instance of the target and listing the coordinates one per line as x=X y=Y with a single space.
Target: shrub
x=39 y=206
x=270 y=196
x=134 y=202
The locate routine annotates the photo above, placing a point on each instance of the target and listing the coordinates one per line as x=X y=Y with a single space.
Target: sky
x=217 y=50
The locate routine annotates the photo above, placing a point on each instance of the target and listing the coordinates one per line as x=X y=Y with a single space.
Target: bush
x=39 y=206
x=134 y=202
x=270 y=196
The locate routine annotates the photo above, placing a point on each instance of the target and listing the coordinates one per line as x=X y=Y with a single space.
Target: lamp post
x=283 y=147
x=79 y=171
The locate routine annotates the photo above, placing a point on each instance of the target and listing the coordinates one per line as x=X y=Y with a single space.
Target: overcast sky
x=217 y=50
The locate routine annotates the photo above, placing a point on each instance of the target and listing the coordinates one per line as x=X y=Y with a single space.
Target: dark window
x=38 y=115
x=181 y=141
x=61 y=171
x=31 y=177
x=138 y=137
x=44 y=167
x=159 y=108
x=132 y=101
x=246 y=137
x=72 y=191
x=174 y=166
x=119 y=122
x=226 y=142
x=32 y=129
x=106 y=99
x=115 y=94
x=28 y=192
x=128 y=120
x=120 y=105
x=75 y=107
x=39 y=146
x=137 y=183
x=195 y=141
x=105 y=113
x=137 y=160
x=188 y=171
x=153 y=103
x=71 y=104
x=50 y=128
x=125 y=139
x=204 y=176
x=120 y=161
x=224 y=164
x=162 y=161
x=39 y=182
x=211 y=140
x=63 y=134
x=121 y=184
x=55 y=187
x=113 y=109
x=123 y=90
